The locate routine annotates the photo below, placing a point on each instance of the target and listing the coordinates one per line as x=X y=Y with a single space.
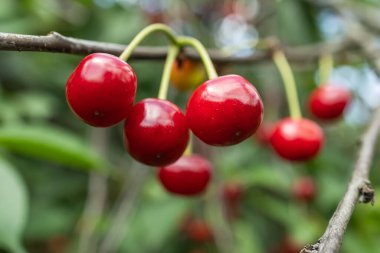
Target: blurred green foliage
x=47 y=157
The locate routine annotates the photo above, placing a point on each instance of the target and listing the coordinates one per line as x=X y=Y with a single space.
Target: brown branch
x=355 y=31
x=359 y=189
x=55 y=42
x=367 y=42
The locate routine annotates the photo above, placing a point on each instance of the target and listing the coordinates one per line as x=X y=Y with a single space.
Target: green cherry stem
x=289 y=83
x=143 y=34
x=189 y=148
x=209 y=66
x=326 y=65
x=170 y=58
x=197 y=45
x=164 y=86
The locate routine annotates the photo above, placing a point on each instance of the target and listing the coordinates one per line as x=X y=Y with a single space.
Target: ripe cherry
x=297 y=139
x=198 y=230
x=233 y=193
x=187 y=74
x=101 y=90
x=188 y=176
x=287 y=245
x=304 y=189
x=328 y=102
x=156 y=132
x=224 y=111
x=264 y=133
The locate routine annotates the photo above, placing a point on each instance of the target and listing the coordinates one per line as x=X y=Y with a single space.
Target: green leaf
x=265 y=176
x=50 y=143
x=153 y=225
x=14 y=206
x=247 y=238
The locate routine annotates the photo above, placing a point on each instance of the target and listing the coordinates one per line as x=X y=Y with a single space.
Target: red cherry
x=329 y=101
x=264 y=133
x=233 y=192
x=304 y=189
x=287 y=245
x=199 y=231
x=224 y=111
x=101 y=90
x=188 y=176
x=156 y=132
x=297 y=139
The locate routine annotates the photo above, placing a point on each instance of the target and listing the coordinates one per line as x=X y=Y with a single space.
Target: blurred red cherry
x=187 y=74
x=264 y=133
x=188 y=176
x=328 y=102
x=233 y=192
x=297 y=139
x=304 y=189
x=198 y=230
x=287 y=245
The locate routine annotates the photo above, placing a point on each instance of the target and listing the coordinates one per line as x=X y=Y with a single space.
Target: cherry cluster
x=222 y=111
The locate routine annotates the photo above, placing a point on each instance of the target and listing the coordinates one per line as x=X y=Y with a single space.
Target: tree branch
x=55 y=42
x=359 y=189
x=368 y=42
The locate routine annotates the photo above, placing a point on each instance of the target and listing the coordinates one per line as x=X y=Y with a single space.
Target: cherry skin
x=156 y=132
x=224 y=111
x=101 y=90
x=297 y=139
x=188 y=176
x=187 y=75
x=304 y=189
x=328 y=102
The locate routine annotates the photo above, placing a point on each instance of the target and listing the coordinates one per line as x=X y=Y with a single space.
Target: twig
x=55 y=42
x=123 y=210
x=355 y=31
x=359 y=189
x=363 y=38
x=96 y=197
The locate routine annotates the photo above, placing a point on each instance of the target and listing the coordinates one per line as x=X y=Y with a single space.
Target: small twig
x=355 y=30
x=55 y=42
x=124 y=208
x=359 y=190
x=367 y=41
x=96 y=197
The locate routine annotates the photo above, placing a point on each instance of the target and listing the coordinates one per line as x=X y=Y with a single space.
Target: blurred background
x=55 y=195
